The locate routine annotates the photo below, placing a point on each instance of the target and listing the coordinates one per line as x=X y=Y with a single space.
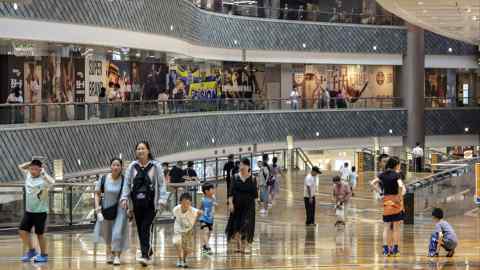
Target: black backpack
x=143 y=193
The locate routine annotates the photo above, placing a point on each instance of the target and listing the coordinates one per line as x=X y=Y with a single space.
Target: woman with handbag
x=391 y=184
x=112 y=223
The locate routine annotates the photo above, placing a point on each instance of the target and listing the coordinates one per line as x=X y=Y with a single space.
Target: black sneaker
x=450 y=253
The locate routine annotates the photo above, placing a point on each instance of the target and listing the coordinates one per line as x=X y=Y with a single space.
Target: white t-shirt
x=417 y=151
x=184 y=222
x=344 y=173
x=310 y=181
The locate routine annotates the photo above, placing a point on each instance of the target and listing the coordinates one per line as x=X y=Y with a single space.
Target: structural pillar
x=413 y=84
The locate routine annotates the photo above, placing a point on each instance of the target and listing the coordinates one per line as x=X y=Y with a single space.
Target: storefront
x=452 y=87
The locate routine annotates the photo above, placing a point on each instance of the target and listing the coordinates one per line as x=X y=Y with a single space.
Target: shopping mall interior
x=232 y=134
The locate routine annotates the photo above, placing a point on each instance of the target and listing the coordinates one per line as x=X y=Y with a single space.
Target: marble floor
x=281 y=242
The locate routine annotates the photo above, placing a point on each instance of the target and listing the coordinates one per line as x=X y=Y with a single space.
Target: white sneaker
x=179 y=264
x=109 y=259
x=116 y=261
x=144 y=261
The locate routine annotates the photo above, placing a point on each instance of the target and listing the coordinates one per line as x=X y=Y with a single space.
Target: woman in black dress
x=390 y=182
x=242 y=197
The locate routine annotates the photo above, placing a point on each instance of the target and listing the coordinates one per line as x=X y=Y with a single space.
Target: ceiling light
x=171 y=27
x=138 y=55
x=213 y=140
x=467 y=129
x=424 y=11
x=235 y=42
x=469 y=10
x=375 y=47
x=450 y=50
x=318 y=134
x=304 y=45
x=390 y=131
x=15 y=6
x=420 y=3
x=474 y=18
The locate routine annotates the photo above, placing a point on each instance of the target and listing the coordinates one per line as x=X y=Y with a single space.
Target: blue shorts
x=264 y=193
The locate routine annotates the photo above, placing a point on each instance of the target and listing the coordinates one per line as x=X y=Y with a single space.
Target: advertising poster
x=95 y=77
x=79 y=67
x=15 y=74
x=198 y=81
x=33 y=90
x=119 y=80
x=347 y=83
x=137 y=83
x=240 y=80
x=51 y=79
x=154 y=76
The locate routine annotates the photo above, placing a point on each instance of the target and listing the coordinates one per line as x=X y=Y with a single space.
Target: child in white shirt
x=185 y=218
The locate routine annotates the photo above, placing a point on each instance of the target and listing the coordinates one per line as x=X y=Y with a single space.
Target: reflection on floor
x=281 y=242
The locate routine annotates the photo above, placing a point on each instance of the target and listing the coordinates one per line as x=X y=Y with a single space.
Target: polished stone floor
x=281 y=242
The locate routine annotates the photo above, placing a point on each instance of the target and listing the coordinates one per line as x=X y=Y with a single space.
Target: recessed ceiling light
x=390 y=131
x=467 y=129
x=304 y=45
x=171 y=27
x=235 y=42
x=15 y=6
x=375 y=47
x=450 y=50
x=318 y=134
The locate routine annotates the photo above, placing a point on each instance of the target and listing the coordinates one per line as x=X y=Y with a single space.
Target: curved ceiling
x=458 y=19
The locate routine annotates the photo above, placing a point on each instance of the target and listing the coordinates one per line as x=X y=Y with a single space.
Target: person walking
x=228 y=171
x=263 y=176
x=309 y=191
x=294 y=98
x=112 y=221
x=417 y=153
x=145 y=186
x=274 y=189
x=241 y=222
x=37 y=184
x=390 y=183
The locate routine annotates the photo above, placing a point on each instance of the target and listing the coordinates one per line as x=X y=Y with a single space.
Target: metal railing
x=452 y=188
x=71 y=200
x=335 y=15
x=53 y=112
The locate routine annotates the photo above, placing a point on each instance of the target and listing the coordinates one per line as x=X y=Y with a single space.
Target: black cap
x=316 y=169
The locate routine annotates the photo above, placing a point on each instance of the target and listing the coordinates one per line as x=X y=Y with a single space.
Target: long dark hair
x=116 y=159
x=147 y=145
x=392 y=163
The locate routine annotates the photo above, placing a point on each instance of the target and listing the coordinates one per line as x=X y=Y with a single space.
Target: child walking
x=37 y=183
x=341 y=195
x=206 y=220
x=444 y=236
x=185 y=218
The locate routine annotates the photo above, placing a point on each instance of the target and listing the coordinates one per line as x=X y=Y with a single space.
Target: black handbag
x=110 y=213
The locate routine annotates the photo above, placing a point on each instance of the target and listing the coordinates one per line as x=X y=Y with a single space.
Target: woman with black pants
x=145 y=186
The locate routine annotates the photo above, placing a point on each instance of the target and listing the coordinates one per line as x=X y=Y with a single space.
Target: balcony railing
x=305 y=14
x=54 y=112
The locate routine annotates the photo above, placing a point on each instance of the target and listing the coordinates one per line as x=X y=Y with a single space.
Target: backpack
x=270 y=179
x=142 y=192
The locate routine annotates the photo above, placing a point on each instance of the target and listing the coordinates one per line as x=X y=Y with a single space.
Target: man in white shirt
x=309 y=190
x=417 y=153
x=344 y=172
